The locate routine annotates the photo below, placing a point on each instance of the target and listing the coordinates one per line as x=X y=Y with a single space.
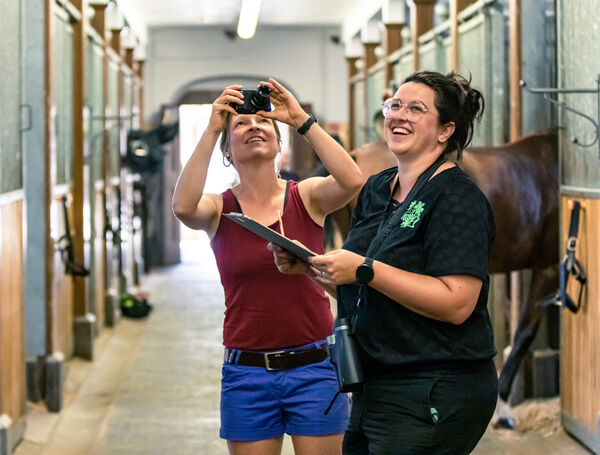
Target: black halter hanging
x=569 y=266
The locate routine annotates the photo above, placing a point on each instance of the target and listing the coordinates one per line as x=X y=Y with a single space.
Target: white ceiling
x=226 y=12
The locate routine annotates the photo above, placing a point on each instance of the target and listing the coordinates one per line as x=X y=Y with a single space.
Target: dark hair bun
x=456 y=101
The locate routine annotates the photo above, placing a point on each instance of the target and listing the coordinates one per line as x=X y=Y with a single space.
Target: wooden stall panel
x=99 y=257
x=62 y=287
x=578 y=67
x=580 y=343
x=12 y=350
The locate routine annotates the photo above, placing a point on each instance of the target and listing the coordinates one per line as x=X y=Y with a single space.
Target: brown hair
x=456 y=101
x=226 y=137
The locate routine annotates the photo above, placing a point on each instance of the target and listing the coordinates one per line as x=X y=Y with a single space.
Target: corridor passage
x=154 y=386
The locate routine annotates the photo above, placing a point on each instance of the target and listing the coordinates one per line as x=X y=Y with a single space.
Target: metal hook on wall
x=547 y=91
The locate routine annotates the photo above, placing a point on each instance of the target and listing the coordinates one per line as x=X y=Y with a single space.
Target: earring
x=228 y=162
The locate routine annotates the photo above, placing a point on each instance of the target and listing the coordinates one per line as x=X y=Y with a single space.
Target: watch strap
x=306 y=125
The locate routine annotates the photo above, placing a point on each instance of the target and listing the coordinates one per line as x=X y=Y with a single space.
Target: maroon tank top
x=266 y=309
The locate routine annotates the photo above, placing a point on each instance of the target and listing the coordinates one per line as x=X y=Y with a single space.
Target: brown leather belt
x=277 y=360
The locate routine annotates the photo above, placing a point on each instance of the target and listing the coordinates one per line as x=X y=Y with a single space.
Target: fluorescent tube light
x=248 y=18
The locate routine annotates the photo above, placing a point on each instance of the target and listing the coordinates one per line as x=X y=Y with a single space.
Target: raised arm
x=321 y=195
x=190 y=205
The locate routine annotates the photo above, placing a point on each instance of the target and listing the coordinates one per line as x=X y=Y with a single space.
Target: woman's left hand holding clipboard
x=290 y=264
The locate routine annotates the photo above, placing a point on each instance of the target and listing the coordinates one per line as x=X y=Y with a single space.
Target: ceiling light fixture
x=248 y=18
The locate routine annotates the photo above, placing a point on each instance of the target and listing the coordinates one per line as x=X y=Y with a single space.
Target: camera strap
x=390 y=220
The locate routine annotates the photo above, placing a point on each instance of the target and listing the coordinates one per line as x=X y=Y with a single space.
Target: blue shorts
x=257 y=404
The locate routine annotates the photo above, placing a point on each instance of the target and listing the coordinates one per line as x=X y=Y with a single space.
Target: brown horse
x=520 y=181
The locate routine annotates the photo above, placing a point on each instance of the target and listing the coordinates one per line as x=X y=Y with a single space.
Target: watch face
x=364 y=273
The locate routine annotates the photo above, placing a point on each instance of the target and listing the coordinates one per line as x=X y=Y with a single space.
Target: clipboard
x=270 y=235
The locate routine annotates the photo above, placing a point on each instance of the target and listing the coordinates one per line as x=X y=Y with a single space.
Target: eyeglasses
x=414 y=110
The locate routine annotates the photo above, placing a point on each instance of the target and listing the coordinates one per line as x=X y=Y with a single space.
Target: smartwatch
x=364 y=272
x=306 y=125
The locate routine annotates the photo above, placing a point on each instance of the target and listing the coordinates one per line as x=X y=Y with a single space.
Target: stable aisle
x=154 y=386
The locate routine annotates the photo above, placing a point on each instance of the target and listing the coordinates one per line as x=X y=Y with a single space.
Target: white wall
x=303 y=58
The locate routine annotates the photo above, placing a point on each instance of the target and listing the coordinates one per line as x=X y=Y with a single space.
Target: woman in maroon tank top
x=277 y=377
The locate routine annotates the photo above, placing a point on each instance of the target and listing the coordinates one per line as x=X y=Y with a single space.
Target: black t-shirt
x=447 y=229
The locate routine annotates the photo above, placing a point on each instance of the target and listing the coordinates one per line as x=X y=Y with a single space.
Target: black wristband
x=306 y=125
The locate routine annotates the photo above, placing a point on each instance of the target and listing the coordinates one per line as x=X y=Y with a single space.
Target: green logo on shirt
x=413 y=214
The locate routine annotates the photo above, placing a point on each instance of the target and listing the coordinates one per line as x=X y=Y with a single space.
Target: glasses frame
x=386 y=108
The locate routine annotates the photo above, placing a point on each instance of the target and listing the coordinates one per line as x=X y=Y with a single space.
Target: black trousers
x=427 y=412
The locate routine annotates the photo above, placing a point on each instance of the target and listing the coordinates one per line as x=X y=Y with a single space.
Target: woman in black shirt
x=412 y=276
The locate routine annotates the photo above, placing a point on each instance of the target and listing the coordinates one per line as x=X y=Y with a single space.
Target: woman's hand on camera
x=285 y=107
x=338 y=266
x=220 y=107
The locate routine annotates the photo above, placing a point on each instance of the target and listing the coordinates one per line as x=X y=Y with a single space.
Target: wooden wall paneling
x=516 y=131
x=84 y=317
x=115 y=41
x=392 y=42
x=49 y=158
x=515 y=70
x=79 y=96
x=61 y=139
x=12 y=336
x=352 y=71
x=421 y=21
x=129 y=59
x=369 y=57
x=62 y=284
x=99 y=19
x=456 y=6
x=105 y=187
x=580 y=337
x=99 y=246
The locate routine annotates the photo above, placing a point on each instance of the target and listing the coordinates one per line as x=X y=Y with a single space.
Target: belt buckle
x=267 y=364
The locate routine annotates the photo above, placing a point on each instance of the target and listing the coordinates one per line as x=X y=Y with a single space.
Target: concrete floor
x=153 y=388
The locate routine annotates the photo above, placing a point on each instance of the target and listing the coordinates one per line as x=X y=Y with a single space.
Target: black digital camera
x=254 y=100
x=343 y=354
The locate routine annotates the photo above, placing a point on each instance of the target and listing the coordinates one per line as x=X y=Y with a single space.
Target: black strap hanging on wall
x=65 y=246
x=569 y=266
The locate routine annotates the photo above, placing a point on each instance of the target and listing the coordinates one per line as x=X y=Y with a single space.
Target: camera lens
x=260 y=99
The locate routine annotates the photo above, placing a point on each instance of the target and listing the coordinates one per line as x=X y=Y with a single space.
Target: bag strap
x=569 y=266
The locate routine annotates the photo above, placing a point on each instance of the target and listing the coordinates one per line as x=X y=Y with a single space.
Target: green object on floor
x=133 y=307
